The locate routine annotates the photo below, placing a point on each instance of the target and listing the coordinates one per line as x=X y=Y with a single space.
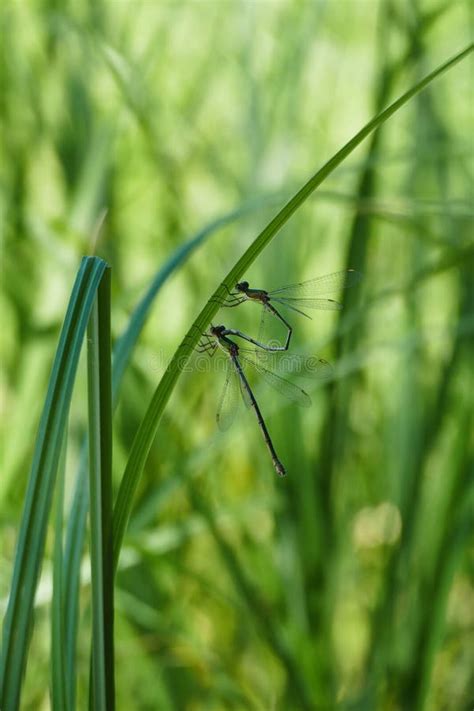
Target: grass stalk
x=146 y=433
x=41 y=482
x=100 y=498
x=60 y=699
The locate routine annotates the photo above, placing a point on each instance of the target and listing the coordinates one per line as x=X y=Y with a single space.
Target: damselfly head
x=242 y=286
x=217 y=330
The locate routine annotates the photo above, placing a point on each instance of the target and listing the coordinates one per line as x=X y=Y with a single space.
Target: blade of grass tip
x=59 y=686
x=146 y=433
x=121 y=355
x=100 y=498
x=32 y=533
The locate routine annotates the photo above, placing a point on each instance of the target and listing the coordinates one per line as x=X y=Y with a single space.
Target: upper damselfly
x=312 y=294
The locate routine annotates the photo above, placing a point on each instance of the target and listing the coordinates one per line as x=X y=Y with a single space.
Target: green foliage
x=41 y=482
x=346 y=585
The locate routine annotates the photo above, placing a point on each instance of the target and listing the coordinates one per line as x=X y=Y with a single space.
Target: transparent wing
x=322 y=304
x=229 y=400
x=304 y=366
x=328 y=284
x=288 y=363
x=284 y=387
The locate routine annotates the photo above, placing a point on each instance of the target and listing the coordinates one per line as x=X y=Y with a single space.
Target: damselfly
x=310 y=294
x=218 y=337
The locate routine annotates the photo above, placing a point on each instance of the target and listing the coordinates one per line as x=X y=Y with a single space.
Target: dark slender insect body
x=220 y=334
x=236 y=380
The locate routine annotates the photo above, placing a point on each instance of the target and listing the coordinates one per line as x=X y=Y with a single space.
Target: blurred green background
x=127 y=128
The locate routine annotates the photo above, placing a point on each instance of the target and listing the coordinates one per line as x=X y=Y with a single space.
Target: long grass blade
x=31 y=539
x=100 y=498
x=59 y=686
x=74 y=544
x=146 y=433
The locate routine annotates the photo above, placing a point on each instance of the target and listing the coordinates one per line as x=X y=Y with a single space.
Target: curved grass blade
x=31 y=539
x=146 y=433
x=59 y=696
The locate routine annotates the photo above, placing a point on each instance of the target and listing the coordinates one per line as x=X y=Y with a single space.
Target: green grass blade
x=100 y=497
x=146 y=433
x=31 y=539
x=75 y=534
x=59 y=696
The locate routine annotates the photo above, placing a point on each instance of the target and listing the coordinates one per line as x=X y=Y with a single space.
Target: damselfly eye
x=242 y=286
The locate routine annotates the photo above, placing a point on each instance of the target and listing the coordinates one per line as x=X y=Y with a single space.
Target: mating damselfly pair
x=311 y=294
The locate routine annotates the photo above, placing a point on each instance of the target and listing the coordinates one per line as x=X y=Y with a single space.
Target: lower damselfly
x=236 y=380
x=310 y=294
